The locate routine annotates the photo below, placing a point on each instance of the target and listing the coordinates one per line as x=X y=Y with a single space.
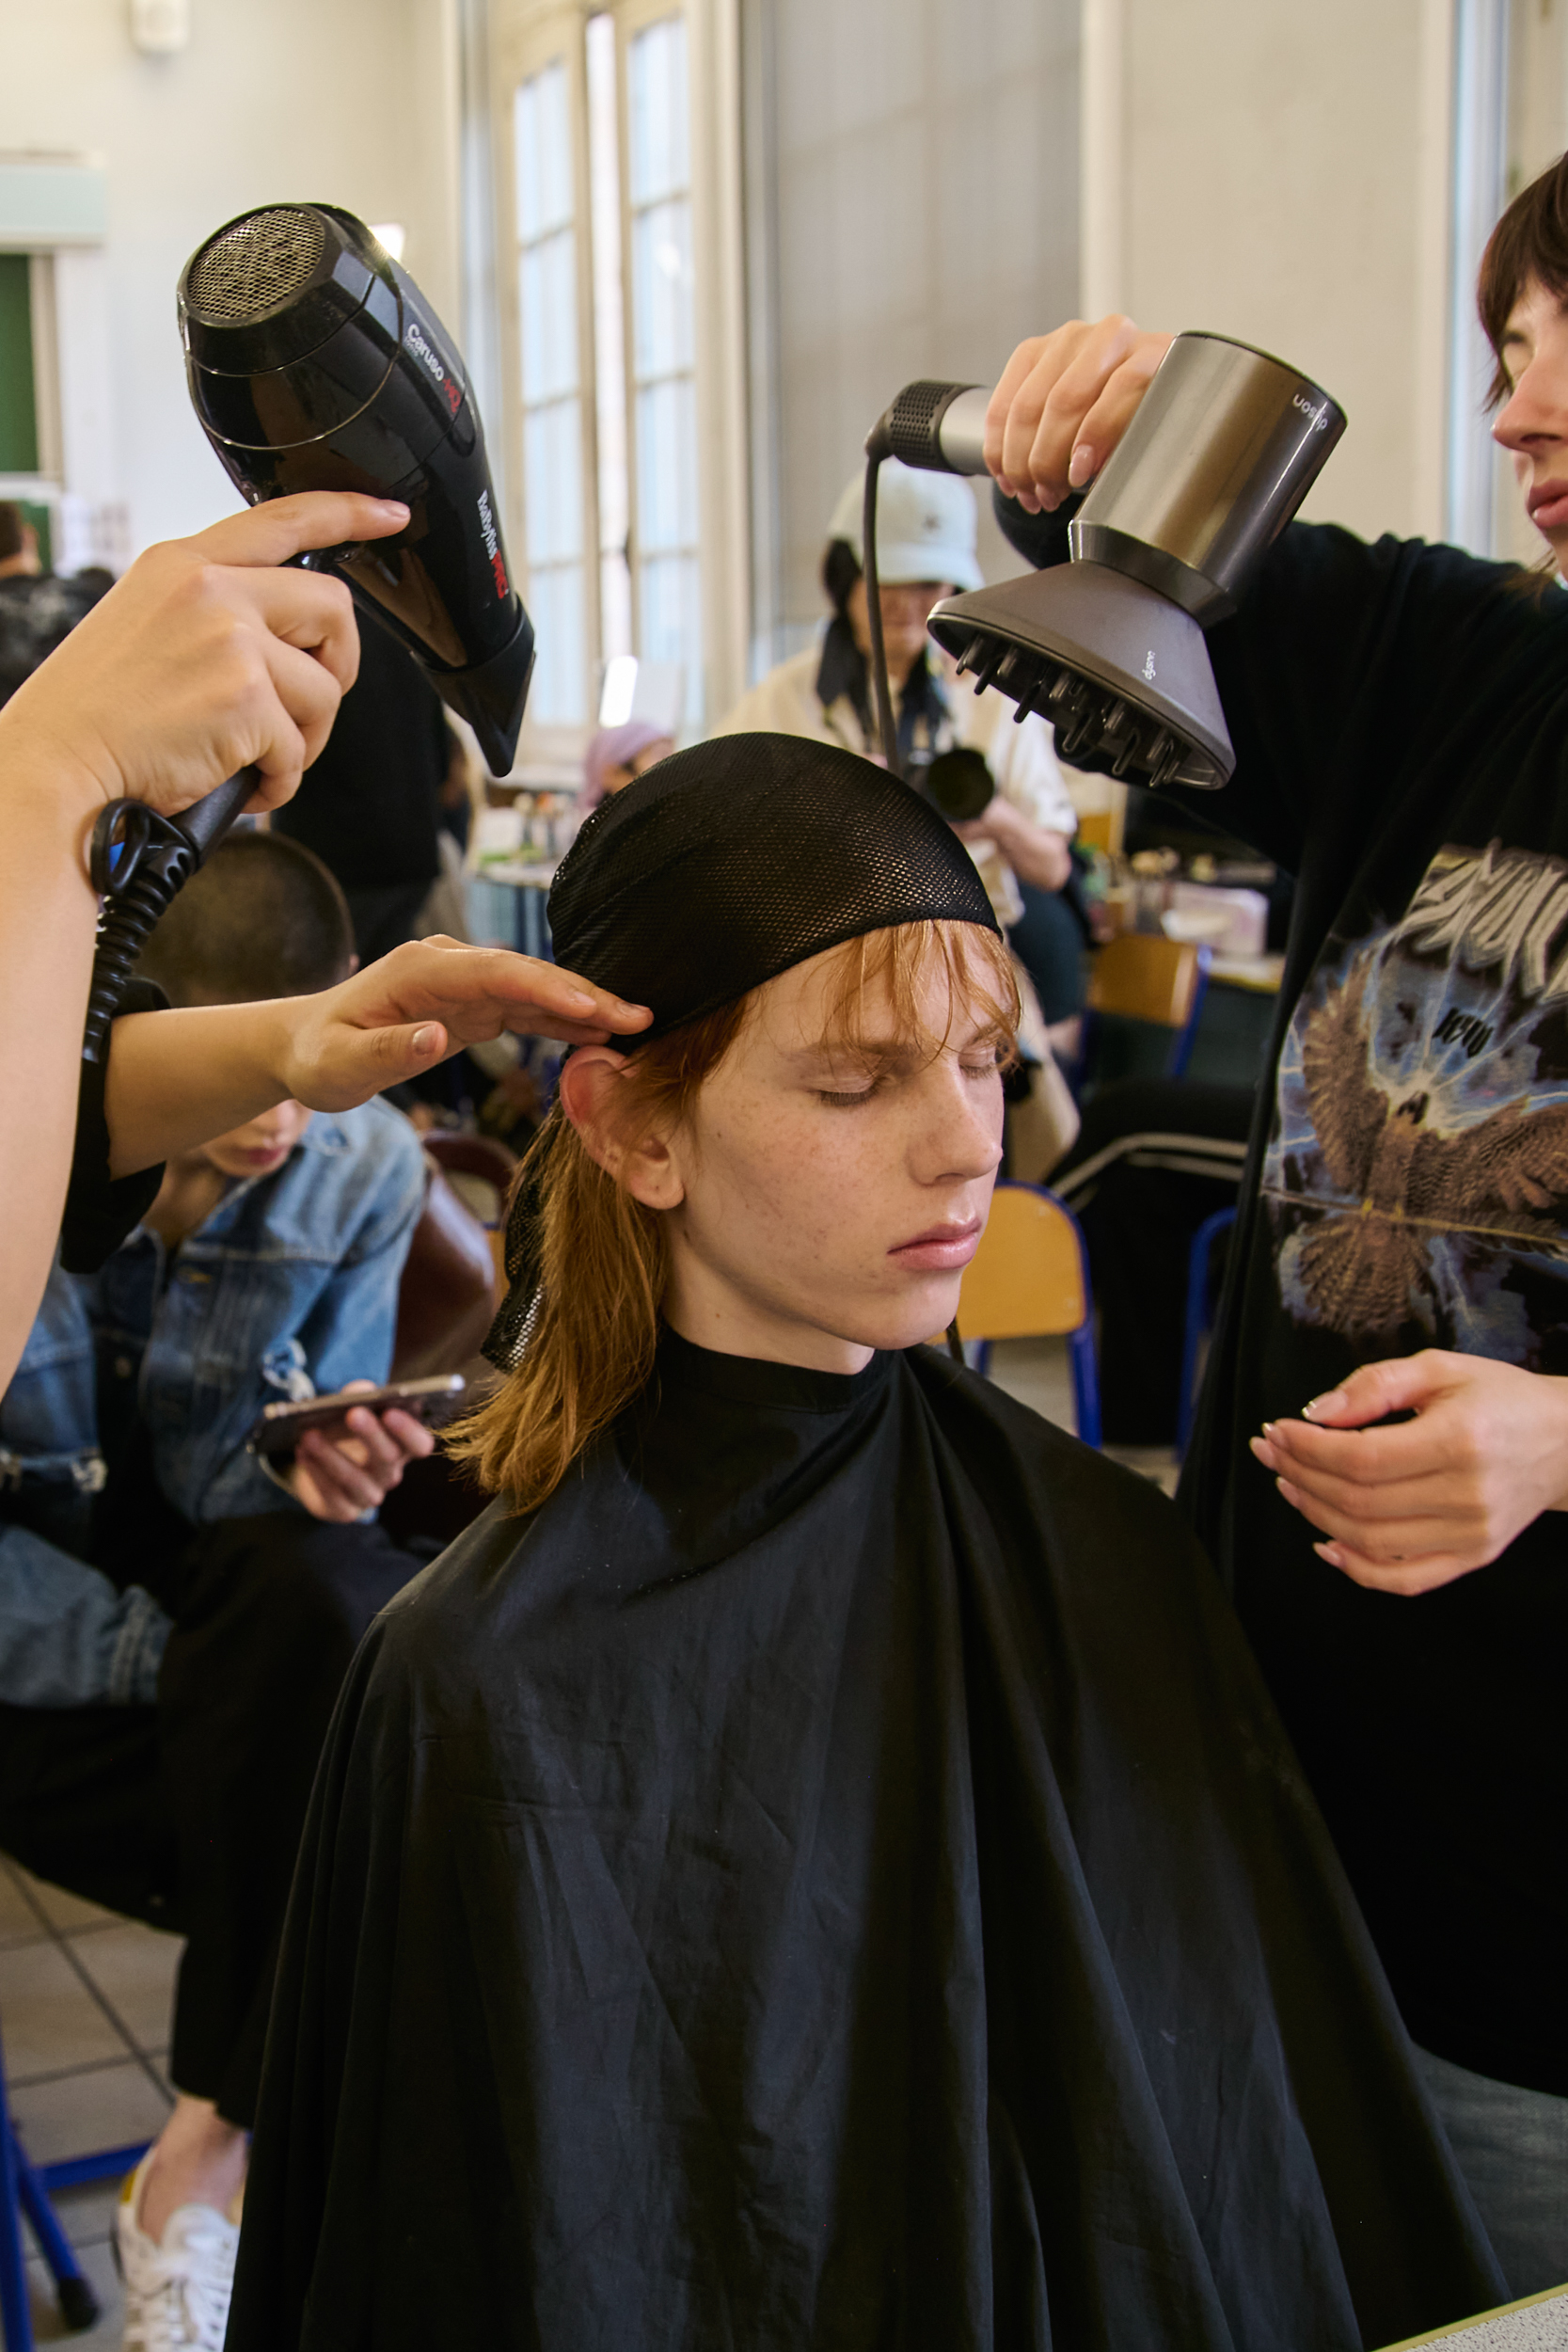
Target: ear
x=634 y=1153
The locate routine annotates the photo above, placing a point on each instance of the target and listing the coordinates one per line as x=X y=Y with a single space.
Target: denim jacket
x=289 y=1288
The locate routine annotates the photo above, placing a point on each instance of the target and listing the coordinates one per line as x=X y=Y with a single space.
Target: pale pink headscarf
x=616 y=747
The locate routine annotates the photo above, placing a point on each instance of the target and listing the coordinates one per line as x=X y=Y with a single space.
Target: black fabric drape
x=831 y=1879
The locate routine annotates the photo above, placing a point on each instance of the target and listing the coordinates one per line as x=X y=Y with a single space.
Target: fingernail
x=1081 y=464
x=1329 y=1404
x=1268 y=1429
x=393 y=507
x=425 y=1041
x=1332 y=1553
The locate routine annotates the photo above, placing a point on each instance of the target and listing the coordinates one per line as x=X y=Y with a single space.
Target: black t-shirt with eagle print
x=1400 y=714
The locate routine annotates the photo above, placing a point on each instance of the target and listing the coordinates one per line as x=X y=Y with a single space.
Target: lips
x=1548 y=505
x=941 y=1249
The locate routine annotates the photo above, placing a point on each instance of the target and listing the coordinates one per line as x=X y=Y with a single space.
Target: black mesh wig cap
x=721 y=867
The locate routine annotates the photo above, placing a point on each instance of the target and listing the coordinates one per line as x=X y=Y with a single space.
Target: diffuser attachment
x=1109 y=646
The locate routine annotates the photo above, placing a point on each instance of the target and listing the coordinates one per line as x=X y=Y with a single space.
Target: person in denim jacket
x=175 y=1619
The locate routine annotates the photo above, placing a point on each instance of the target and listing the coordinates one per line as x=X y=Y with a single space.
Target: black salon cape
x=831 y=1879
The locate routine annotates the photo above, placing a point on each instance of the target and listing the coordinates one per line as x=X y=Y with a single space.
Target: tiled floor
x=1036 y=1372
x=85 y=2002
x=85 y=1999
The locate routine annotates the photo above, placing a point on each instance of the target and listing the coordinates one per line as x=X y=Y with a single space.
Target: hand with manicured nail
x=1064 y=402
x=1415 y=1505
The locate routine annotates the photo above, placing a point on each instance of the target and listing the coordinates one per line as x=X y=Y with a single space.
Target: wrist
x=271 y=1045
x=37 y=761
x=47 y=793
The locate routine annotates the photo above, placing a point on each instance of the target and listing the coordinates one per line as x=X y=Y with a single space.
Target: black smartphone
x=280 y=1427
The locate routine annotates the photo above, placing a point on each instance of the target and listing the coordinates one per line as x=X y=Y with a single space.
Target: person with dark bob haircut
x=1381 y=1464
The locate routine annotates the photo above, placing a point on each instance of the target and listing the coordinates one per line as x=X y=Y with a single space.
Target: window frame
x=526 y=36
x=527 y=43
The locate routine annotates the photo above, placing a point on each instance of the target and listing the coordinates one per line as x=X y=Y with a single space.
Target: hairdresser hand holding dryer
x=1400 y=714
x=205 y=658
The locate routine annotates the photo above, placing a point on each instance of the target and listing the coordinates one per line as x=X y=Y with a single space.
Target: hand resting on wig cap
x=814 y=1866
x=177 y=1077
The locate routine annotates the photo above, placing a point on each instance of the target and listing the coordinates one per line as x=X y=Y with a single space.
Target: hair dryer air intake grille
x=252 y=267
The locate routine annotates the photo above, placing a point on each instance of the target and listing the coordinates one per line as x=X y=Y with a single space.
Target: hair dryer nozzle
x=491 y=696
x=1121 y=672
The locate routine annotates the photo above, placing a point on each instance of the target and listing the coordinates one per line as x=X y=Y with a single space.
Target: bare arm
x=1034 y=852
x=203 y=660
x=48 y=914
x=176 y=1079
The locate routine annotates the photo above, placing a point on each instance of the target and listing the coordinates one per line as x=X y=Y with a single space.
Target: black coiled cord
x=138 y=861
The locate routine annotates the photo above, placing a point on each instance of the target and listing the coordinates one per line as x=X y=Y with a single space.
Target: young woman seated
x=815 y=1864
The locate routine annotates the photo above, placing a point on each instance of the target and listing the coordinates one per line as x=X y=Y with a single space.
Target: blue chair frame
x=1197 y=1321
x=1181 y=1052
x=27 y=2188
x=1080 y=1355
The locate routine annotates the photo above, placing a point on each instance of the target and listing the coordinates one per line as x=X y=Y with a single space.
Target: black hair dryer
x=315 y=363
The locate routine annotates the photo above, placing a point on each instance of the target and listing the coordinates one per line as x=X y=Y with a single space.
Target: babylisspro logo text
x=1316 y=417
x=492 y=544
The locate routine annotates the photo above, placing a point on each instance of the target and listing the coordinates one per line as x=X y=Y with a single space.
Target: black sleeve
x=1338 y=655
x=99 y=1209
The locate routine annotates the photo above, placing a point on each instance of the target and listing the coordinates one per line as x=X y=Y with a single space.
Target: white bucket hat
x=926 y=524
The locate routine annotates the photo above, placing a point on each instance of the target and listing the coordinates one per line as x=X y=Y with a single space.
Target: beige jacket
x=1023 y=759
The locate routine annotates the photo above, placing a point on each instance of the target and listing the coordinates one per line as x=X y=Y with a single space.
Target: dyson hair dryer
x=315 y=363
x=1109 y=646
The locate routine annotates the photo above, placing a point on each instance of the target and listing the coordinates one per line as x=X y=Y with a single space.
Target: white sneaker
x=176 y=2294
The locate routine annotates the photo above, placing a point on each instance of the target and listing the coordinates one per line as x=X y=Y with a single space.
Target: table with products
x=518 y=843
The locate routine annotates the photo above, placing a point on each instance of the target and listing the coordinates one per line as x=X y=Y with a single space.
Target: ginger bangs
x=891 y=973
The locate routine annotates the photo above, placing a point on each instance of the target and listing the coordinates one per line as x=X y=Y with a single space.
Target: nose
x=958 y=1136
x=1528 y=418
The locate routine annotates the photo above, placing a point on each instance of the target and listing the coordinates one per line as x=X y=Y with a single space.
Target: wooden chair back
x=1143 y=978
x=1026 y=1278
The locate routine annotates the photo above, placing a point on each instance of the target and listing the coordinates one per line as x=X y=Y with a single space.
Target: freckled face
x=832 y=1197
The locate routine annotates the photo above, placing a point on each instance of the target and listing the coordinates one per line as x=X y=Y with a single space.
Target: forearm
x=176 y=1079
x=48 y=918
x=1039 y=857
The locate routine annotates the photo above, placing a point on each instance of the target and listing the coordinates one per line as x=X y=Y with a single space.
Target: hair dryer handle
x=207 y=821
x=939 y=428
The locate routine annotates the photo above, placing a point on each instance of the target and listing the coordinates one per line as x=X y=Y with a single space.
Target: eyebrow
x=891 y=1052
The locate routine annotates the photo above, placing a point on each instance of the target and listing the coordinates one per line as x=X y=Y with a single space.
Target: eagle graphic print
x=1417 y=1172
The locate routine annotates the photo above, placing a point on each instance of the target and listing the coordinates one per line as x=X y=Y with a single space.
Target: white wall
x=1282 y=176
x=920 y=158
x=349 y=100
